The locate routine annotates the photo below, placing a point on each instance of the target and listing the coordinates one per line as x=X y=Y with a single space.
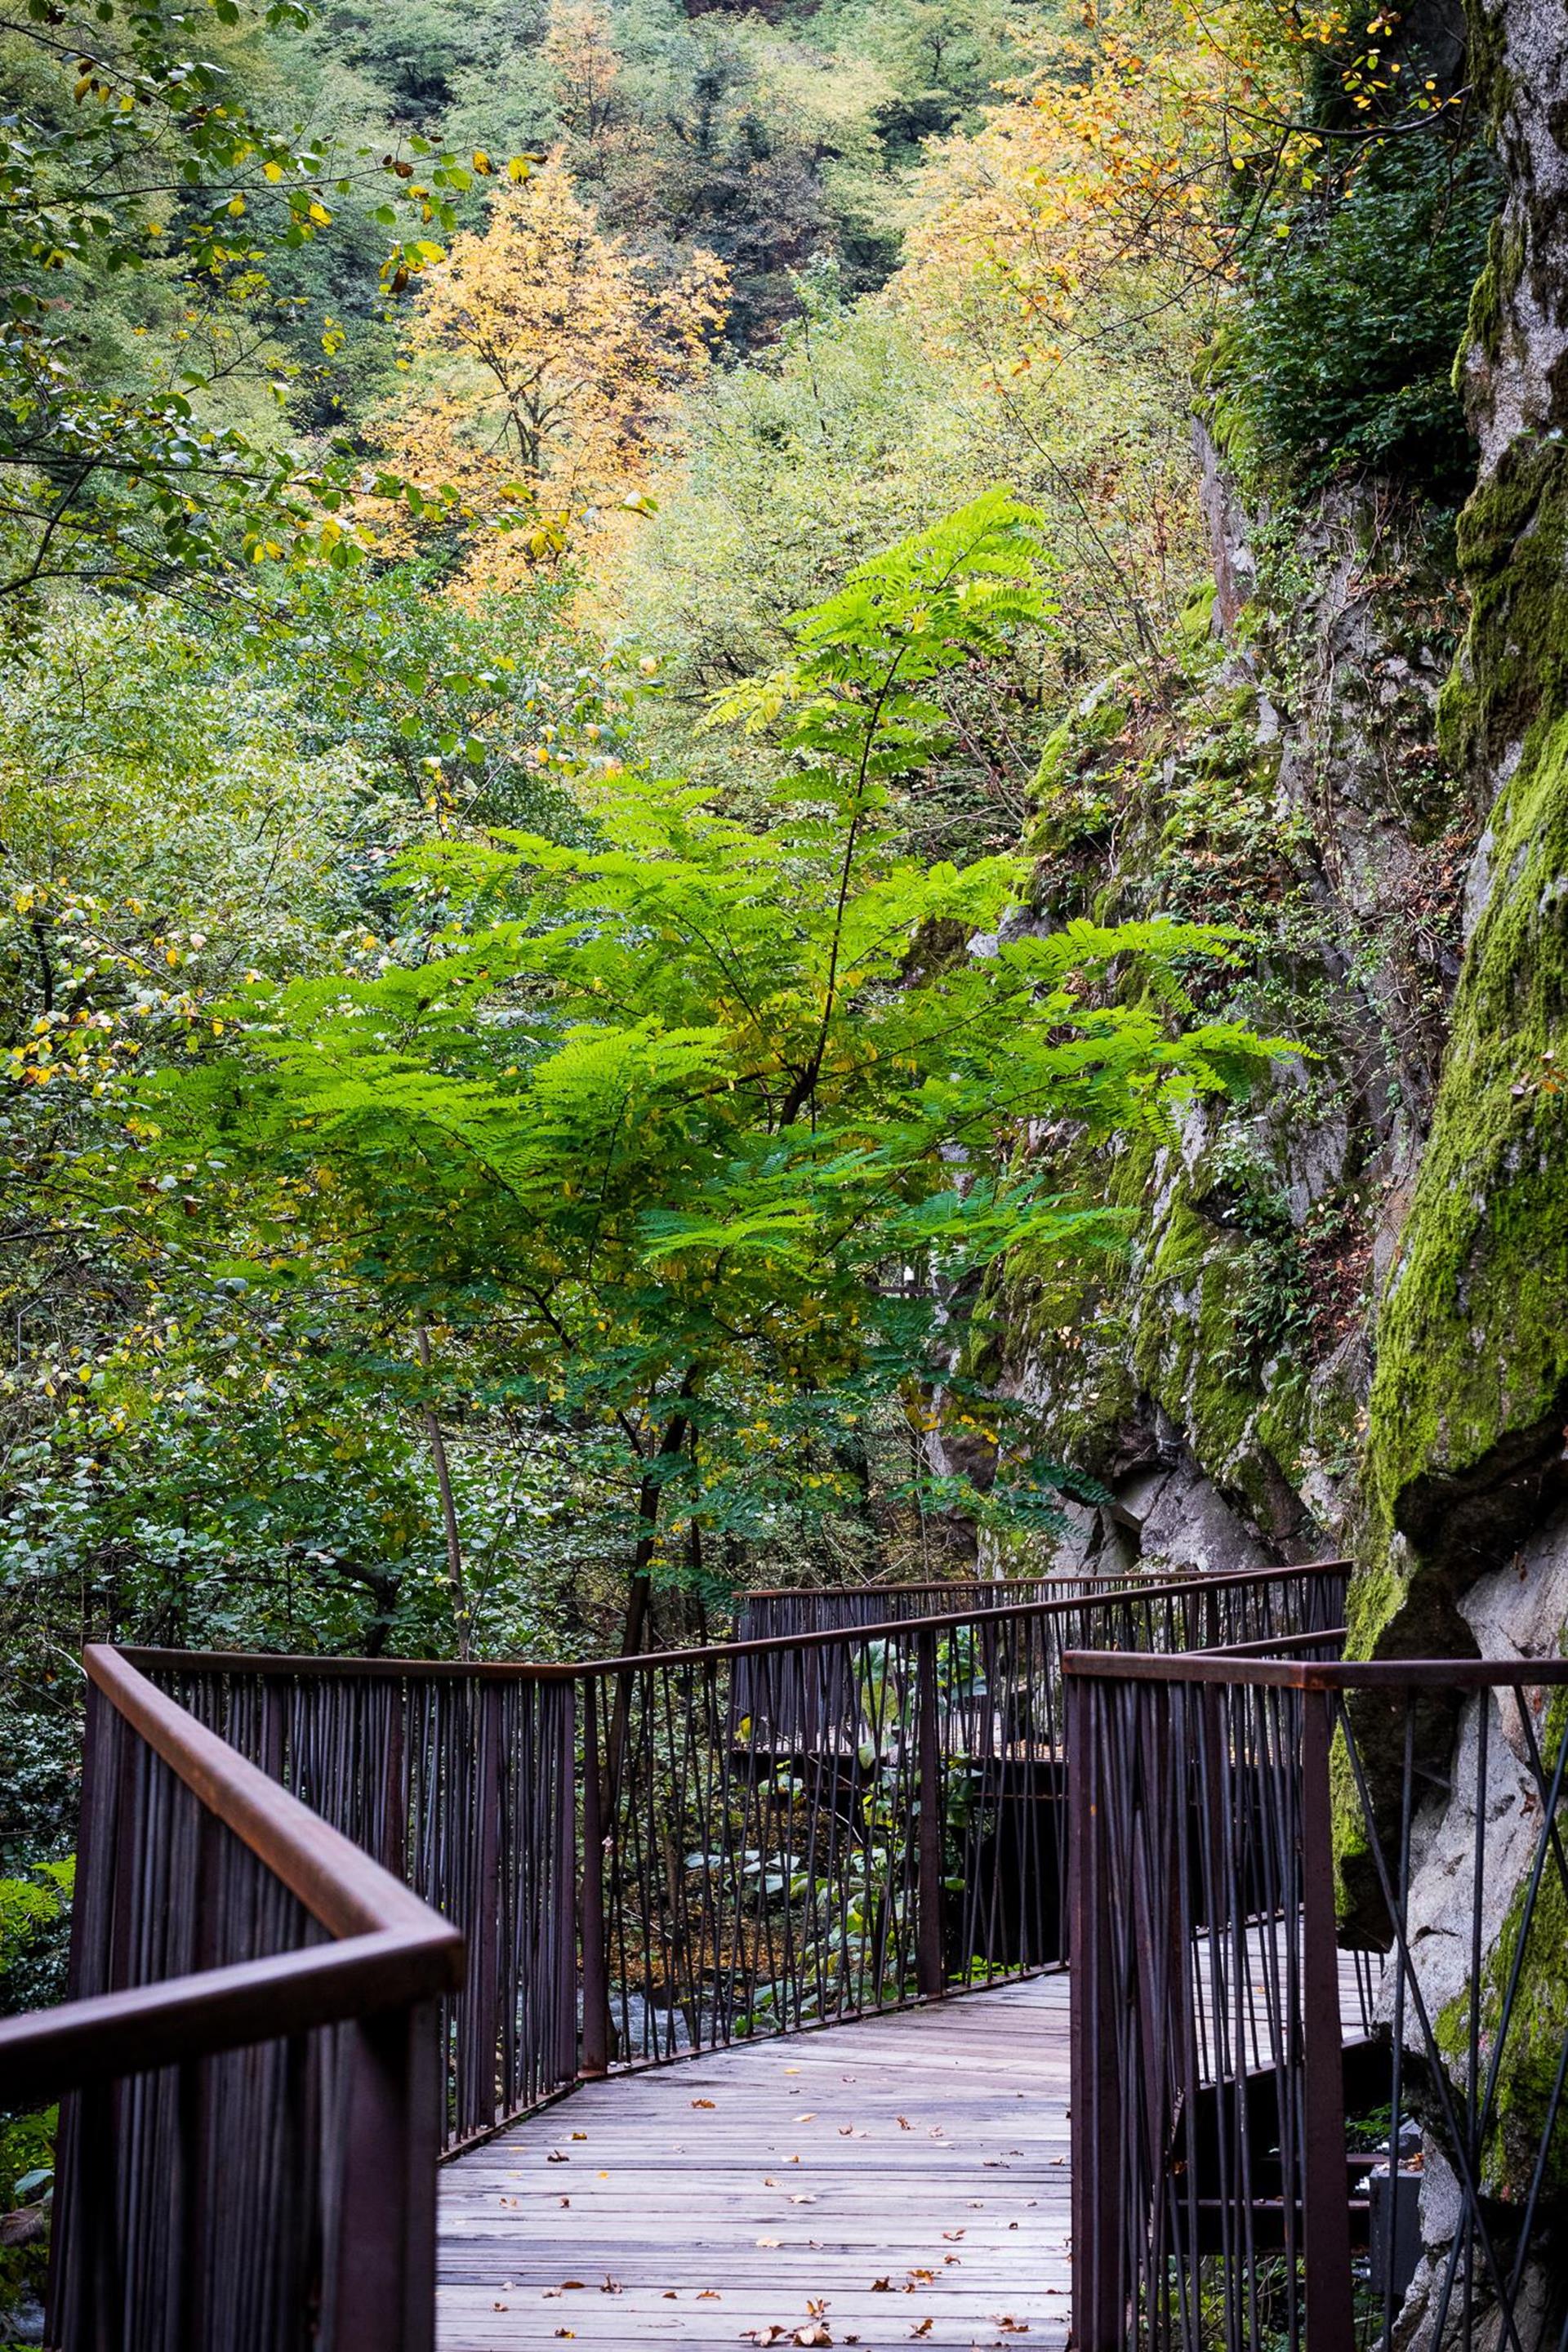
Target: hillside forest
x=779 y=799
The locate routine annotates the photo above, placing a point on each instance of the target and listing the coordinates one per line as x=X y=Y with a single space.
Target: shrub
x=1344 y=349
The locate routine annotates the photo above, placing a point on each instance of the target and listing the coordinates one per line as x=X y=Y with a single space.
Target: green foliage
x=30 y=1908
x=1344 y=349
x=129 y=167
x=699 y=1130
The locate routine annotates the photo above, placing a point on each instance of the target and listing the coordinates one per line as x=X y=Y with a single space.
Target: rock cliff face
x=1345 y=1323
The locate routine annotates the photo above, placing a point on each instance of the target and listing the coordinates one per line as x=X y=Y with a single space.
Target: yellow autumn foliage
x=541 y=358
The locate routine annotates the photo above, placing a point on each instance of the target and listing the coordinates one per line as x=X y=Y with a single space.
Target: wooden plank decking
x=729 y=2194
x=708 y=2201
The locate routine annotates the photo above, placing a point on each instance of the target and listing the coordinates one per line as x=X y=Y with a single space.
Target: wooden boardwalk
x=902 y=2181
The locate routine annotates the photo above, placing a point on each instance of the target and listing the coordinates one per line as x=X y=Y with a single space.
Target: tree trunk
x=449 y=1509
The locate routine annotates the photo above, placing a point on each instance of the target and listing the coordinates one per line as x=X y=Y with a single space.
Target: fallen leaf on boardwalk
x=904 y=2123
x=849 y=2131
x=763 y=2334
x=816 y=2306
x=710 y=2295
x=1012 y=2225
x=600 y=2176
x=814 y=2333
x=926 y=2275
x=579 y=2135
x=551 y=2294
x=802 y=2197
x=553 y=2158
x=770 y=2241
x=563 y=2202
x=792 y=2070
x=1009 y=2327
x=566 y=2331
x=500 y=2307
x=803 y=2119
x=881 y=2287
x=921 y=2327
x=671 y=2296
x=571 y=2286
x=1058 y=2159
x=953 y=2258
x=702 y=2103
x=952 y=2234
x=612 y=2286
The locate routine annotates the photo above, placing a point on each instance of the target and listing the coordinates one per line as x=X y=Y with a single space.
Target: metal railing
x=780 y=1613
x=271 y=2032
x=248 y=2154
x=1320 y=2018
x=654 y=1855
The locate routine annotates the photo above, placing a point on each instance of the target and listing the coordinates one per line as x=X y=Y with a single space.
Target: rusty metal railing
x=1319 y=2003
x=270 y=2035
x=654 y=1855
x=779 y=1612
x=248 y=2059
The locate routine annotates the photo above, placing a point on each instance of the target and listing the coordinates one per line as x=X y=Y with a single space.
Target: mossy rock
x=1471 y=1384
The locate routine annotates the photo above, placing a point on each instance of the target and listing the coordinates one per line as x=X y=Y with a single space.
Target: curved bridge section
x=903 y=2179
x=584 y=1871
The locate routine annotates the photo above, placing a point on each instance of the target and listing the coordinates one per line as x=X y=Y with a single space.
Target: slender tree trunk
x=461 y=1614
x=640 y=1593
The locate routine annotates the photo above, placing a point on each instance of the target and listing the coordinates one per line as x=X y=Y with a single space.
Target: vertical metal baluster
x=596 y=2057
x=1326 y=2208
x=929 y=1974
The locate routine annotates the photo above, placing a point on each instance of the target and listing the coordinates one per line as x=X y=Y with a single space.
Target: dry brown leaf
x=850 y=2131
x=702 y=2103
x=921 y=2327
x=708 y=2295
x=881 y=2287
x=566 y=2331
x=555 y=2158
x=952 y=2234
x=579 y=2135
x=904 y=2123
x=814 y=2333
x=802 y=2197
x=612 y=2286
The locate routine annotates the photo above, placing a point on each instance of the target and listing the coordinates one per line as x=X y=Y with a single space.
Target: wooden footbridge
x=342 y=1922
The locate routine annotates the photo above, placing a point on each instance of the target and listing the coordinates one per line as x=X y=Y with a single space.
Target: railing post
x=1325 y=2196
x=928 y=1899
x=385 y=2275
x=596 y=2057
x=1098 y=2160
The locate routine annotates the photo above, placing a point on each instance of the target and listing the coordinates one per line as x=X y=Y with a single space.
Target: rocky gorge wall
x=1343 y=1323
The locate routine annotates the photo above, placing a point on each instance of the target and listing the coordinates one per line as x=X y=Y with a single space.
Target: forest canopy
x=550 y=553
